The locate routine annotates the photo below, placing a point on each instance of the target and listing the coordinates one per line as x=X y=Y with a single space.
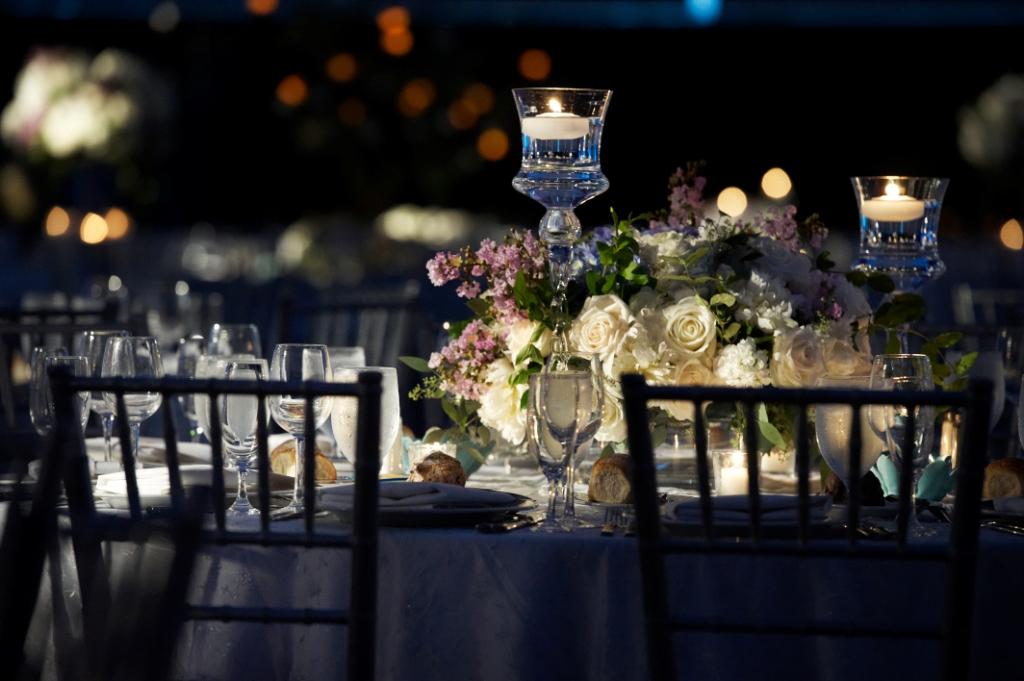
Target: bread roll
x=611 y=480
x=439 y=467
x=1004 y=478
x=282 y=461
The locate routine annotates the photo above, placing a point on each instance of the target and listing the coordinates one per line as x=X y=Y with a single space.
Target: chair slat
x=128 y=457
x=853 y=477
x=803 y=464
x=700 y=441
x=753 y=470
x=907 y=479
x=309 y=465
x=263 y=466
x=171 y=457
x=216 y=458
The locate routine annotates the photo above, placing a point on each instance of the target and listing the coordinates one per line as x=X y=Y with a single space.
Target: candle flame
x=893 y=189
x=554 y=105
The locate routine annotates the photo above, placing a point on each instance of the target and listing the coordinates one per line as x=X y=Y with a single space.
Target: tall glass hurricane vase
x=899 y=230
x=561 y=166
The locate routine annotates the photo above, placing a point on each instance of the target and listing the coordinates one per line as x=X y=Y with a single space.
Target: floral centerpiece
x=678 y=296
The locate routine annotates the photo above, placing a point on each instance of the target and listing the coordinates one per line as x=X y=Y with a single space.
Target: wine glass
x=234 y=339
x=833 y=427
x=347 y=356
x=550 y=455
x=239 y=415
x=294 y=362
x=211 y=366
x=92 y=345
x=897 y=373
x=561 y=168
x=41 y=406
x=190 y=350
x=134 y=357
x=345 y=415
x=572 y=403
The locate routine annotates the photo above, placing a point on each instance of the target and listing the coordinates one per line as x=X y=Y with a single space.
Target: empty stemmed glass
x=345 y=414
x=550 y=455
x=134 y=357
x=234 y=339
x=92 y=345
x=833 y=426
x=41 y=405
x=190 y=350
x=239 y=415
x=294 y=362
x=899 y=373
x=571 y=405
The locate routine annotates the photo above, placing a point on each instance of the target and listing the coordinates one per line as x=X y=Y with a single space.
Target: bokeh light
x=461 y=114
x=394 y=18
x=261 y=7
x=776 y=184
x=396 y=43
x=415 y=97
x=342 y=67
x=57 y=222
x=535 y=64
x=732 y=201
x=479 y=97
x=118 y=223
x=292 y=90
x=165 y=17
x=1012 y=235
x=492 y=145
x=93 y=229
x=352 y=112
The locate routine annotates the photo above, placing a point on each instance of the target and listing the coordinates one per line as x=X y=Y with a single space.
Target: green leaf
x=593 y=281
x=881 y=282
x=824 y=263
x=947 y=339
x=941 y=371
x=524 y=401
x=770 y=433
x=453 y=412
x=892 y=343
x=416 y=364
x=609 y=284
x=857 y=278
x=731 y=330
x=519 y=378
x=726 y=299
x=963 y=366
x=479 y=306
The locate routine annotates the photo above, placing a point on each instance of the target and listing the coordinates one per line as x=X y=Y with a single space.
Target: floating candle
x=895 y=206
x=555 y=124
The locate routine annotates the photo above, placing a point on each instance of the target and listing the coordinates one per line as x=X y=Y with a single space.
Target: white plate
x=433 y=516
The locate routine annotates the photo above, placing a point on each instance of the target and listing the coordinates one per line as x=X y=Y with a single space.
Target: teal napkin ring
x=937 y=480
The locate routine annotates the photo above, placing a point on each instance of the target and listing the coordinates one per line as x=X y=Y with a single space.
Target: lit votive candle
x=894 y=206
x=732 y=473
x=555 y=124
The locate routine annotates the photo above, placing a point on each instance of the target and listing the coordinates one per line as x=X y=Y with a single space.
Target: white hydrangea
x=499 y=404
x=793 y=269
x=855 y=305
x=742 y=365
x=765 y=301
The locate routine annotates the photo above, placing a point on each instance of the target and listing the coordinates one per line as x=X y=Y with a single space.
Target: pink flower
x=443 y=268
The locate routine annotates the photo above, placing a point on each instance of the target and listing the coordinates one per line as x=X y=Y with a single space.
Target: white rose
x=691 y=372
x=690 y=329
x=842 y=359
x=796 y=358
x=499 y=403
x=521 y=333
x=601 y=326
x=613 y=418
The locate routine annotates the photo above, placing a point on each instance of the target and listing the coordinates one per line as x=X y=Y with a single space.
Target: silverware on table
x=1003 y=526
x=515 y=522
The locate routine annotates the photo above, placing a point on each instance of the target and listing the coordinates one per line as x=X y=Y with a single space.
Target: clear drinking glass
x=211 y=366
x=190 y=350
x=134 y=357
x=41 y=405
x=833 y=427
x=345 y=413
x=904 y=372
x=234 y=339
x=347 y=356
x=294 y=362
x=550 y=455
x=92 y=345
x=239 y=419
x=571 y=407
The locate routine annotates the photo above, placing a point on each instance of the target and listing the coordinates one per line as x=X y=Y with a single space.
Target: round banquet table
x=455 y=603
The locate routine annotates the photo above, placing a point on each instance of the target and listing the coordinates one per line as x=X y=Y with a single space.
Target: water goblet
x=234 y=339
x=898 y=373
x=833 y=425
x=551 y=457
x=134 y=357
x=92 y=345
x=239 y=415
x=572 y=404
x=295 y=362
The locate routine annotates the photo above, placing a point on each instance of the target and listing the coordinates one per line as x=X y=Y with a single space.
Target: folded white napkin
x=151 y=451
x=420 y=495
x=155 y=482
x=776 y=509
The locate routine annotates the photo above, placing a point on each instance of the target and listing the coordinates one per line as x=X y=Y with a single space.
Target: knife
x=514 y=523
